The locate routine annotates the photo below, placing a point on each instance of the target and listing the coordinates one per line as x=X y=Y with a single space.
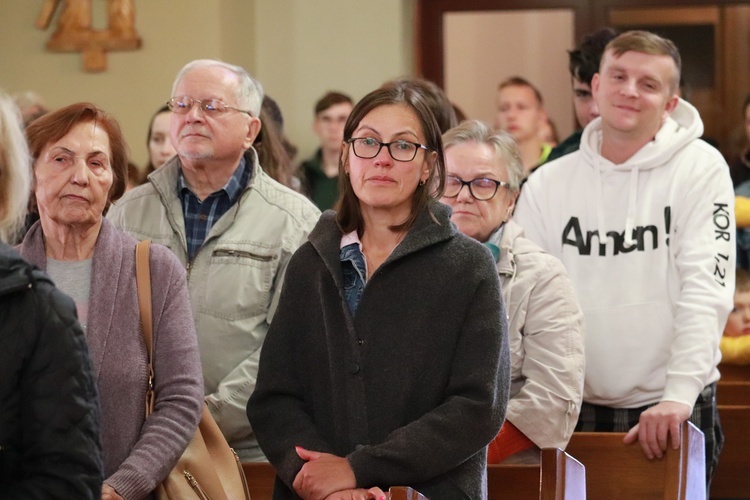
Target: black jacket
x=49 y=416
x=410 y=389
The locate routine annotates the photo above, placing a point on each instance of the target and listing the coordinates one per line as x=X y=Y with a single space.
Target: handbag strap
x=143 y=283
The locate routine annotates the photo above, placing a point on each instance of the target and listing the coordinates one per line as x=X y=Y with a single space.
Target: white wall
x=483 y=49
x=297 y=48
x=306 y=48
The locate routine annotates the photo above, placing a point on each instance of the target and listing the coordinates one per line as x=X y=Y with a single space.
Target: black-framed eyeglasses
x=369 y=147
x=482 y=188
x=183 y=104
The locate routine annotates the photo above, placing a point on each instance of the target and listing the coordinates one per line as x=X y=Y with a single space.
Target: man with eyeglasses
x=231 y=225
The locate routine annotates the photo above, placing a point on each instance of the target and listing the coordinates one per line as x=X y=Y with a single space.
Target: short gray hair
x=502 y=143
x=249 y=91
x=15 y=170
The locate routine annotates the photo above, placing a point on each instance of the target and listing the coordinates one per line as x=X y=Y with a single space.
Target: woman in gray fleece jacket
x=80 y=166
x=387 y=360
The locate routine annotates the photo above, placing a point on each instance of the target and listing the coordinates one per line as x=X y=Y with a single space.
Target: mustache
x=194 y=131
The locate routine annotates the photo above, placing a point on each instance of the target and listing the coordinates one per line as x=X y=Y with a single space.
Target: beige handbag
x=208 y=468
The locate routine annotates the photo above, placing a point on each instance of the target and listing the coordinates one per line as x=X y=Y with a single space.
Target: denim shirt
x=353 y=269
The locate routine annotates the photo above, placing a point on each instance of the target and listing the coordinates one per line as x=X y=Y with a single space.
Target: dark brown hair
x=150 y=167
x=331 y=99
x=517 y=81
x=273 y=156
x=583 y=62
x=349 y=215
x=438 y=102
x=742 y=280
x=55 y=125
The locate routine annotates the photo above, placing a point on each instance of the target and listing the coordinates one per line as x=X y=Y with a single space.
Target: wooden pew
x=404 y=493
x=261 y=476
x=616 y=470
x=733 y=387
x=733 y=393
x=558 y=477
x=732 y=478
x=736 y=373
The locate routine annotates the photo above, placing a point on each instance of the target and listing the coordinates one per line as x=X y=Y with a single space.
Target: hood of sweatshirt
x=682 y=126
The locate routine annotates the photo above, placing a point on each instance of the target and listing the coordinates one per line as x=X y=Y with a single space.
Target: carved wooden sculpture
x=75 y=34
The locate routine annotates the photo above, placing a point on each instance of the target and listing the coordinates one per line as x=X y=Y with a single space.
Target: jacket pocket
x=239 y=281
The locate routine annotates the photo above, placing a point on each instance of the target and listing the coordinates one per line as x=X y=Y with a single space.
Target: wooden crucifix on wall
x=74 y=32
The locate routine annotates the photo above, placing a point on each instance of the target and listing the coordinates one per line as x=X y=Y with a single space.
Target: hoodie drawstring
x=632 y=199
x=599 y=200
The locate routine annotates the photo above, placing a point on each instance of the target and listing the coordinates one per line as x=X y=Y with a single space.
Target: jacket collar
x=426 y=231
x=165 y=180
x=510 y=248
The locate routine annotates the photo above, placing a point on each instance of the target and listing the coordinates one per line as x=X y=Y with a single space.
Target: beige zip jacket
x=545 y=332
x=234 y=280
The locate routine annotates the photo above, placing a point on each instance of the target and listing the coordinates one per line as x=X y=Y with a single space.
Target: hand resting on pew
x=656 y=424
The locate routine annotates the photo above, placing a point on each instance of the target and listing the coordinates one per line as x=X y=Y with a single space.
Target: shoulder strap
x=143 y=282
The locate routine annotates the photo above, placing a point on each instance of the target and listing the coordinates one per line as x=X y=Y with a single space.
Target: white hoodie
x=657 y=290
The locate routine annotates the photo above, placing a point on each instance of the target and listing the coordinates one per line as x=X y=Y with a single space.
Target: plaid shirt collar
x=200 y=216
x=233 y=188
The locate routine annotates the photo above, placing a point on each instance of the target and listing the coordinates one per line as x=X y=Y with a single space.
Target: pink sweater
x=138 y=454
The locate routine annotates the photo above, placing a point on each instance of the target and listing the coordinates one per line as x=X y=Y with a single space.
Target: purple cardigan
x=137 y=453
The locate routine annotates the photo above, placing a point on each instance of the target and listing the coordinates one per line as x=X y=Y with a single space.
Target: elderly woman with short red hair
x=80 y=166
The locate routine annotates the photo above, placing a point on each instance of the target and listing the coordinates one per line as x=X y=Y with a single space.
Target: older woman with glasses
x=386 y=361
x=484 y=171
x=79 y=164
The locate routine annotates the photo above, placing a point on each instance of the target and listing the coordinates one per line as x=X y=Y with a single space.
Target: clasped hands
x=329 y=477
x=655 y=426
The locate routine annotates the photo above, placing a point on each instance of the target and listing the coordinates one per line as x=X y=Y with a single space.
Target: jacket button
x=354 y=368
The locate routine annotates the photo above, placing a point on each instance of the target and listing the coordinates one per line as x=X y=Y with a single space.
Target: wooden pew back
x=616 y=470
x=733 y=393
x=736 y=373
x=732 y=478
x=558 y=477
x=261 y=476
x=404 y=493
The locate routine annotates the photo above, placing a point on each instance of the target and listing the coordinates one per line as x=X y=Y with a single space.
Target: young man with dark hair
x=321 y=172
x=583 y=65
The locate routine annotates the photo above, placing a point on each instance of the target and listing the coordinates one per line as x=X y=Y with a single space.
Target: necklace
x=369 y=263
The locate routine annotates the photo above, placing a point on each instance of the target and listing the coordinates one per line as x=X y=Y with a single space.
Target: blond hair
x=646 y=42
x=15 y=170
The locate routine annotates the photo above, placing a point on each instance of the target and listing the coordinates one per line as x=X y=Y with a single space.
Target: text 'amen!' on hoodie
x=650 y=248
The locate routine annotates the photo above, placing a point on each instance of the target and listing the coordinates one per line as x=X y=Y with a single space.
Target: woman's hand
x=358 y=494
x=109 y=493
x=322 y=475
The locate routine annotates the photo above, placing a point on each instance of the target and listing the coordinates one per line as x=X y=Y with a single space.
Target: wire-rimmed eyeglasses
x=183 y=104
x=481 y=189
x=369 y=147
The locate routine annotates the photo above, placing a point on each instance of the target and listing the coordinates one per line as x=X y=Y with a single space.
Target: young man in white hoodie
x=641 y=216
